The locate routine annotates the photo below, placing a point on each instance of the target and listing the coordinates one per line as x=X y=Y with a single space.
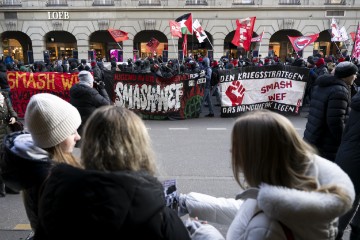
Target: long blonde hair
x=267 y=149
x=59 y=156
x=116 y=139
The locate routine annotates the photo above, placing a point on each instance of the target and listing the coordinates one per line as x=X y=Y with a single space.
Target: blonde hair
x=267 y=149
x=59 y=156
x=116 y=139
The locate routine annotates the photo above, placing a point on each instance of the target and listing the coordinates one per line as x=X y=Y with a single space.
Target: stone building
x=33 y=29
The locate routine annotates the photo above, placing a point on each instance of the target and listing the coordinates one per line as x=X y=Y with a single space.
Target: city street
x=195 y=152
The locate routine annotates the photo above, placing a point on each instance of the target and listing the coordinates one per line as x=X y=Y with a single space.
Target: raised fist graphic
x=235 y=93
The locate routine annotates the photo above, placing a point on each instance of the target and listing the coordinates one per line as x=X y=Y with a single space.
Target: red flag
x=353 y=34
x=184 y=45
x=356 y=46
x=118 y=35
x=299 y=43
x=243 y=33
x=152 y=44
x=258 y=38
x=175 y=28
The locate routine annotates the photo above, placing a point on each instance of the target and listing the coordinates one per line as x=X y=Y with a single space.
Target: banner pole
x=119 y=46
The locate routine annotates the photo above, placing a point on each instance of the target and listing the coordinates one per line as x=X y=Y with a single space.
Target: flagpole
x=260 y=42
x=119 y=46
x=174 y=47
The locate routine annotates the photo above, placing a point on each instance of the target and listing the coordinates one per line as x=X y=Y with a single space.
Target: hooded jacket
x=25 y=167
x=348 y=155
x=329 y=109
x=89 y=204
x=309 y=215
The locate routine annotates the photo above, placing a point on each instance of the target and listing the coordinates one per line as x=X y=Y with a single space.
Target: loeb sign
x=58 y=15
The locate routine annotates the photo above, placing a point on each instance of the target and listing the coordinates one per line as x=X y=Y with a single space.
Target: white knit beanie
x=85 y=77
x=50 y=119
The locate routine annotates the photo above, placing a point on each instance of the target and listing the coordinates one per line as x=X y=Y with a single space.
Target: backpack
x=215 y=78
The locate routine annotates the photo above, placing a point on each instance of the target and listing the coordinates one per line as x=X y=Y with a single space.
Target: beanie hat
x=93 y=63
x=85 y=77
x=320 y=62
x=345 y=69
x=310 y=60
x=50 y=119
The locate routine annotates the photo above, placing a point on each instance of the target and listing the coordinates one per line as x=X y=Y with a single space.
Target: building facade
x=32 y=30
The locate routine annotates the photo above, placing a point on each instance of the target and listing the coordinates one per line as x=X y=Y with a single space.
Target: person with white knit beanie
x=52 y=125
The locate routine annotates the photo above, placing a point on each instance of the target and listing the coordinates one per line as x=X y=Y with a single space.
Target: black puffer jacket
x=3 y=77
x=329 y=109
x=93 y=205
x=86 y=99
x=25 y=167
x=348 y=156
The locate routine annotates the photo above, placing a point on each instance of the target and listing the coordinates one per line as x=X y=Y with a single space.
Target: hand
x=12 y=120
x=235 y=93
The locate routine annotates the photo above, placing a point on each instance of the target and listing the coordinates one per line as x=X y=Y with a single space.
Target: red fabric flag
x=258 y=38
x=353 y=34
x=299 y=43
x=175 y=28
x=243 y=34
x=118 y=35
x=356 y=46
x=152 y=44
x=184 y=46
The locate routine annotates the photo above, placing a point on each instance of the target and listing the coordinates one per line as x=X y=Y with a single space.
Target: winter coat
x=329 y=109
x=86 y=99
x=89 y=204
x=3 y=77
x=309 y=215
x=6 y=112
x=25 y=167
x=348 y=155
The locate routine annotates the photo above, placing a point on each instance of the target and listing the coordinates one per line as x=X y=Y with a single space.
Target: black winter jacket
x=3 y=77
x=93 y=205
x=86 y=99
x=348 y=155
x=25 y=167
x=329 y=109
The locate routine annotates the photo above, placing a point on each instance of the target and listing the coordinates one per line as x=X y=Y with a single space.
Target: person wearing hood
x=290 y=191
x=4 y=85
x=329 y=109
x=117 y=195
x=29 y=156
x=86 y=98
x=348 y=158
x=207 y=96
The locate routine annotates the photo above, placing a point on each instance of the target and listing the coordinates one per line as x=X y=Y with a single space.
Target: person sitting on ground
x=117 y=195
x=289 y=188
x=52 y=123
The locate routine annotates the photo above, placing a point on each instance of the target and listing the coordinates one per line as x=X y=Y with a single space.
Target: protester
x=86 y=98
x=329 y=109
x=8 y=116
x=348 y=158
x=207 y=96
x=289 y=189
x=117 y=196
x=52 y=123
x=4 y=85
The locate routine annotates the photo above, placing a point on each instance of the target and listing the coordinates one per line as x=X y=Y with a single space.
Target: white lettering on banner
x=58 y=15
x=149 y=97
x=262 y=75
x=243 y=108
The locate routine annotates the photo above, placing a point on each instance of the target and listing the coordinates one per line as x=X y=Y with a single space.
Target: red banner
x=243 y=34
x=24 y=84
x=175 y=29
x=152 y=44
x=118 y=35
x=299 y=43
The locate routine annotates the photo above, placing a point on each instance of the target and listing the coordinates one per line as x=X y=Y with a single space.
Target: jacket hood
x=23 y=164
x=328 y=80
x=88 y=200
x=78 y=90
